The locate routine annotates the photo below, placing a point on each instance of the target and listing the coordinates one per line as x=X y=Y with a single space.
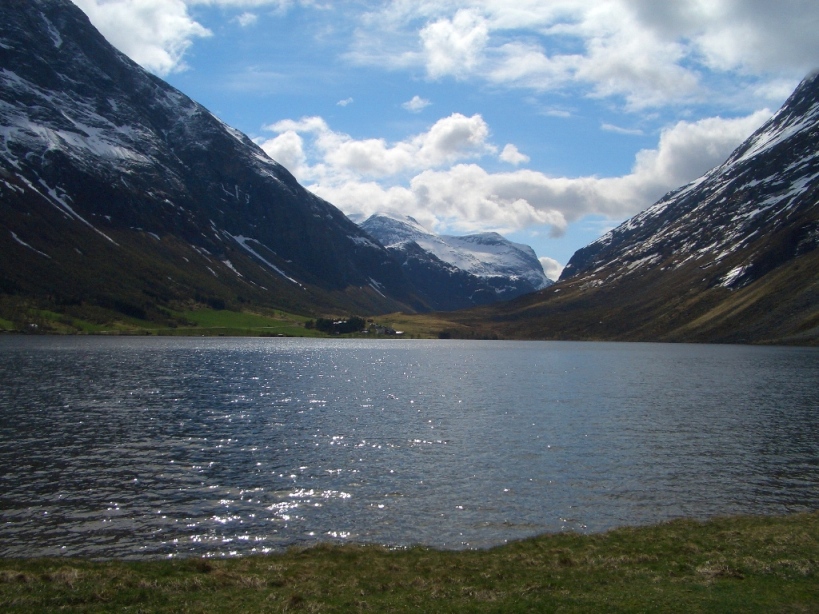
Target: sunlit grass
x=211 y=318
x=201 y=320
x=426 y=325
x=193 y=322
x=234 y=323
x=747 y=564
x=63 y=323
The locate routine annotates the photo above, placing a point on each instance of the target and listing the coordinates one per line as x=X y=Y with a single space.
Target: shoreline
x=731 y=563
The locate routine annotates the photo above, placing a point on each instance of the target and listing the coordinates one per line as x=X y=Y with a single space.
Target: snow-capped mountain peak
x=489 y=267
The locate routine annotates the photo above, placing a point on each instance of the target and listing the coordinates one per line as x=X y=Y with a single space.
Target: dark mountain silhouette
x=120 y=192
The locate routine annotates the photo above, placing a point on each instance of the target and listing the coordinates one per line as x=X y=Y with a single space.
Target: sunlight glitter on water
x=155 y=447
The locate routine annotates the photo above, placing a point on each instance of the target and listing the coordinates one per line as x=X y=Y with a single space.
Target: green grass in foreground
x=745 y=564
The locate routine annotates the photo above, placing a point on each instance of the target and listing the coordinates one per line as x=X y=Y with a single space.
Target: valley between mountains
x=125 y=206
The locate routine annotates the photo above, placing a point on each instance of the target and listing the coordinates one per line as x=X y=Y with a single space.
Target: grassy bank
x=200 y=321
x=747 y=564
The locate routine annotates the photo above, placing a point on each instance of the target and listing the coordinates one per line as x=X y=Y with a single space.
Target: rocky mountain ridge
x=730 y=214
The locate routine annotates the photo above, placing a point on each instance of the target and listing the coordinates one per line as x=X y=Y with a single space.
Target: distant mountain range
x=731 y=257
x=458 y=272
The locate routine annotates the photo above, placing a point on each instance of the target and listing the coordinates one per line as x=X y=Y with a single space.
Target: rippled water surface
x=147 y=447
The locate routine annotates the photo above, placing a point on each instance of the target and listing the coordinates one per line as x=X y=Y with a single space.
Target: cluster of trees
x=353 y=324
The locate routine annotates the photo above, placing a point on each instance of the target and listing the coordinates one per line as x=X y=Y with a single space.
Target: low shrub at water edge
x=737 y=564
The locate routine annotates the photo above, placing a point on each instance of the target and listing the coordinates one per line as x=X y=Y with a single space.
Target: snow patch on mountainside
x=24 y=244
x=774 y=133
x=453 y=272
x=243 y=242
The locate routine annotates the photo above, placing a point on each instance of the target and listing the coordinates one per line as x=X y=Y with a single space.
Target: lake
x=155 y=447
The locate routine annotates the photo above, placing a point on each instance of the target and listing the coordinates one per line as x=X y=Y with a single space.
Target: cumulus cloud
x=640 y=53
x=157 y=33
x=751 y=35
x=647 y=53
x=436 y=176
x=449 y=140
x=689 y=149
x=288 y=150
x=454 y=46
x=416 y=104
x=551 y=267
x=345 y=102
x=511 y=155
x=276 y=4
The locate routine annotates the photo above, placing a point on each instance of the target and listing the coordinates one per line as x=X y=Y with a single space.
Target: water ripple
x=135 y=448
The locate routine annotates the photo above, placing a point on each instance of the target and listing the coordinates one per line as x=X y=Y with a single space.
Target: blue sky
x=548 y=121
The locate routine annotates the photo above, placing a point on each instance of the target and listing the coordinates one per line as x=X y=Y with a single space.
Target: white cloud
x=620 y=130
x=689 y=149
x=641 y=53
x=454 y=46
x=288 y=150
x=449 y=140
x=555 y=112
x=416 y=104
x=153 y=33
x=345 y=102
x=748 y=35
x=429 y=177
x=157 y=33
x=551 y=267
x=647 y=53
x=247 y=19
x=511 y=155
x=277 y=4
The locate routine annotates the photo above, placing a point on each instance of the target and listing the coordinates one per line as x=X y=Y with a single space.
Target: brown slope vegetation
x=781 y=307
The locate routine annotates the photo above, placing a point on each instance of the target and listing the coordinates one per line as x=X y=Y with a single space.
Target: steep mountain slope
x=458 y=272
x=731 y=257
x=117 y=189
